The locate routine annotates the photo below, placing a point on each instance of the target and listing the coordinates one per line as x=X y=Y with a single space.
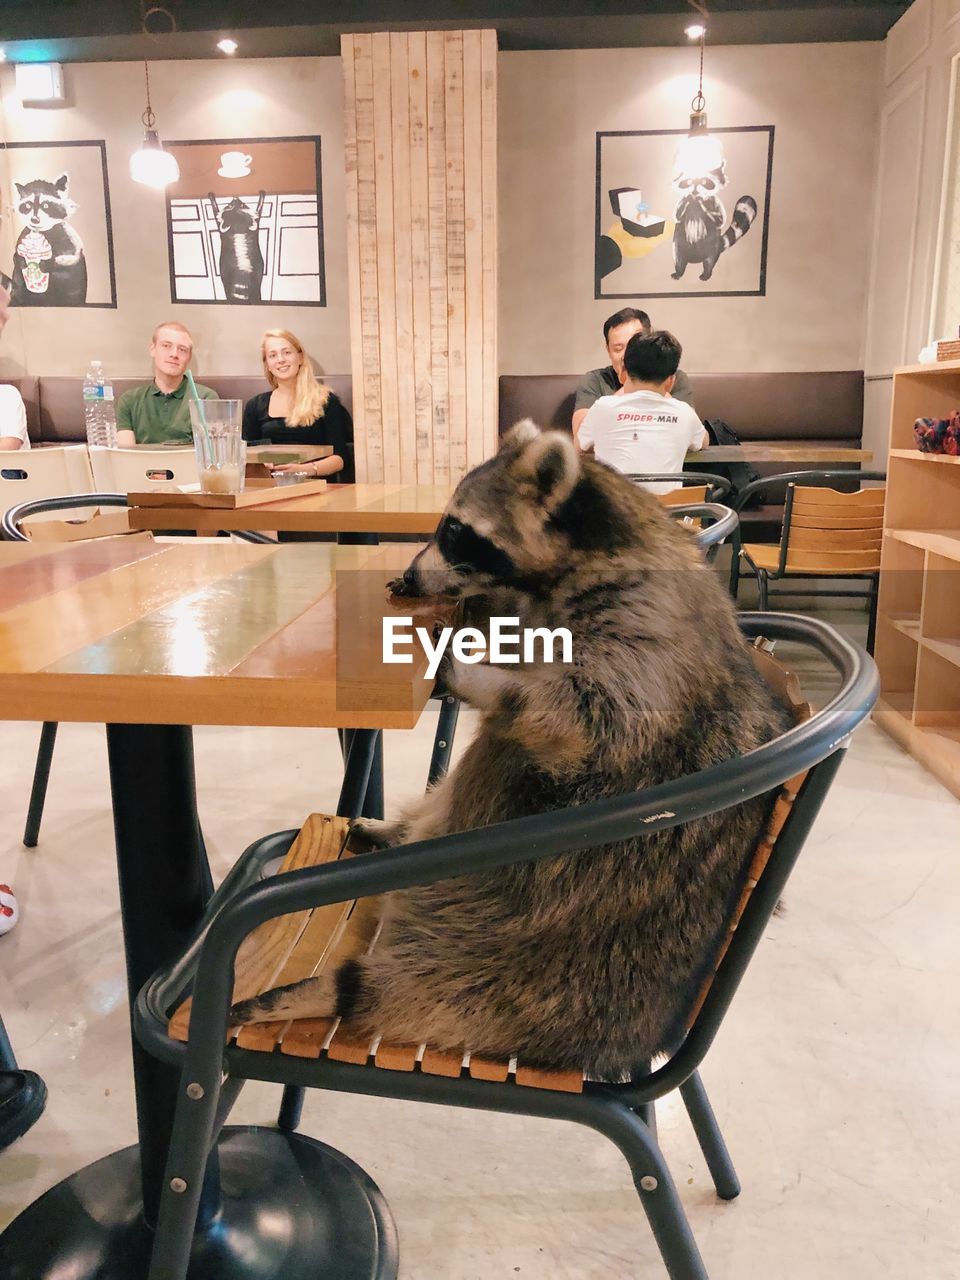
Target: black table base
x=291 y=1208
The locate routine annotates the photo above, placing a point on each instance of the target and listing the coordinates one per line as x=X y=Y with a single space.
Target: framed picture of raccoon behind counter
x=680 y=216
x=245 y=222
x=56 y=242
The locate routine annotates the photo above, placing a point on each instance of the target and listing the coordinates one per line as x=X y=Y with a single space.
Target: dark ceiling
x=107 y=30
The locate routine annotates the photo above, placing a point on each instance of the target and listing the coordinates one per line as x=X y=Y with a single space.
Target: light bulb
x=151 y=165
x=227 y=46
x=695 y=30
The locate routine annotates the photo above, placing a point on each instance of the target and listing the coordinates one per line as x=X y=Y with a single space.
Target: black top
x=333 y=427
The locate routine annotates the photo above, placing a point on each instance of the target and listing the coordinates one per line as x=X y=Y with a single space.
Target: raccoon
x=590 y=960
x=241 y=259
x=50 y=267
x=697 y=236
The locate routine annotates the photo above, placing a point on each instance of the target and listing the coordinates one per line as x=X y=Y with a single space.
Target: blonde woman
x=299 y=410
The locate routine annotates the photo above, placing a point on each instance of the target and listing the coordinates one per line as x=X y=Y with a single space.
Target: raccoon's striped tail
x=740 y=223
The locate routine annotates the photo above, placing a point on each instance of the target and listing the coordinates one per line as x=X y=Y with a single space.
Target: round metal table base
x=292 y=1209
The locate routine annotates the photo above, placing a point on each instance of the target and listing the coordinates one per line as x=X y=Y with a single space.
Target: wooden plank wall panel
x=420 y=254
x=421 y=135
x=456 y=264
x=473 y=242
x=437 y=206
x=400 y=93
x=488 y=113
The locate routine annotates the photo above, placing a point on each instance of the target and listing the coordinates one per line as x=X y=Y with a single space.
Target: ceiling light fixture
x=227 y=46
x=698 y=153
x=151 y=166
x=696 y=31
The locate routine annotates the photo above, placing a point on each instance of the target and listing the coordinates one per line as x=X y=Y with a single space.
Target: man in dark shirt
x=617 y=332
x=159 y=411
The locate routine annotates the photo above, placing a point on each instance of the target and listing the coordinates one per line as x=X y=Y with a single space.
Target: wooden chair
x=825 y=534
x=260 y=932
x=28 y=474
x=140 y=470
x=695 y=486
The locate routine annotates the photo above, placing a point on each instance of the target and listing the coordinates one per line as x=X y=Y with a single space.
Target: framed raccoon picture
x=56 y=238
x=245 y=222
x=680 y=216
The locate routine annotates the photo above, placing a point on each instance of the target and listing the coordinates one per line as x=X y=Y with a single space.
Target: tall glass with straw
x=218 y=441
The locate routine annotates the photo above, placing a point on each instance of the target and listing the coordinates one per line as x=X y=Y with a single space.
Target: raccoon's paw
x=312 y=998
x=369 y=834
x=403 y=587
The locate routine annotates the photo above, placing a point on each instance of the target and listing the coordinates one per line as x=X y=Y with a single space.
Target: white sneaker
x=9 y=911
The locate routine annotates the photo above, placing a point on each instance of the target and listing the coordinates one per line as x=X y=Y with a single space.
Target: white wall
x=912 y=131
x=822 y=100
x=261 y=98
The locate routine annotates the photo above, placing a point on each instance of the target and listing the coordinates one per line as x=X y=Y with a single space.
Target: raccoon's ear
x=551 y=465
x=61 y=182
x=21 y=187
x=520 y=434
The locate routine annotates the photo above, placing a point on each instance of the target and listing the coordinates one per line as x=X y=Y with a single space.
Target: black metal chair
x=11 y=530
x=212 y=1075
x=714 y=487
x=824 y=535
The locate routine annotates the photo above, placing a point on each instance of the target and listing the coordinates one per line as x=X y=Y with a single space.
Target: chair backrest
x=44 y=473
x=682 y=497
x=828 y=531
x=140 y=470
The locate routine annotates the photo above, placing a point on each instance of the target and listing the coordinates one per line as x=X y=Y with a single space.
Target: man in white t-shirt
x=13 y=419
x=642 y=430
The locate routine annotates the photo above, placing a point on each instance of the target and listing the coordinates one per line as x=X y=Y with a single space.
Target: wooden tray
x=226 y=501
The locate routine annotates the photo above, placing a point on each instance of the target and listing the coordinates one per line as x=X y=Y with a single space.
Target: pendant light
x=151 y=165
x=699 y=152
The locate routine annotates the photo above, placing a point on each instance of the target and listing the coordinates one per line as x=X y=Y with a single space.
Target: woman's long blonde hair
x=309 y=395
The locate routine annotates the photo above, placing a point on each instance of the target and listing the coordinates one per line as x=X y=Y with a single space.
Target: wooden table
x=346 y=508
x=811 y=455
x=152 y=639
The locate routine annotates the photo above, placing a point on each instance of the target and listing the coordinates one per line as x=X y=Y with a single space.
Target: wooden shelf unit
x=918 y=623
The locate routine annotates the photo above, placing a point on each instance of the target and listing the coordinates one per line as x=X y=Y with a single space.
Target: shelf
x=907 y=624
x=931 y=367
x=914 y=455
x=900 y=703
x=944 y=542
x=949 y=649
x=937 y=749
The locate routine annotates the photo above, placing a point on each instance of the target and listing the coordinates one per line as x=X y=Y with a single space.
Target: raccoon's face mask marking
x=498 y=529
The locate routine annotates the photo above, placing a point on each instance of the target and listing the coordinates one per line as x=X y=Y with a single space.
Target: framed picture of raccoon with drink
x=56 y=245
x=682 y=215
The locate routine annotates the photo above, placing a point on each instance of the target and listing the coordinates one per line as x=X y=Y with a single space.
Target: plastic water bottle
x=98 y=407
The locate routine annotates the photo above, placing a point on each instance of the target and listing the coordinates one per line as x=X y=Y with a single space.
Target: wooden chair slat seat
x=290 y=948
x=816 y=561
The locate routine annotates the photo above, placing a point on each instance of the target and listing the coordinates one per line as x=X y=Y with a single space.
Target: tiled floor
x=834 y=1078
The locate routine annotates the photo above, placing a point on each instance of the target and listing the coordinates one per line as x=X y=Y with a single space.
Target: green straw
x=200 y=413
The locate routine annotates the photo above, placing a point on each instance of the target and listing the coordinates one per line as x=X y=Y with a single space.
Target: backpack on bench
x=740 y=474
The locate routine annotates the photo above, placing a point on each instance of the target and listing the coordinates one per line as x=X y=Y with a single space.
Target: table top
x=807 y=453
x=346 y=508
x=130 y=631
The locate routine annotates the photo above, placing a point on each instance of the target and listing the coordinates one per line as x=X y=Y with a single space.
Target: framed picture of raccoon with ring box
x=245 y=222
x=680 y=216
x=56 y=242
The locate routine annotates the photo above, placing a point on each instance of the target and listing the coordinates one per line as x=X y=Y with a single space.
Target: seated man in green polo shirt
x=158 y=412
x=617 y=332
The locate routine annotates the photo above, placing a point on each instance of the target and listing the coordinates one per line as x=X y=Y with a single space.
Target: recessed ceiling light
x=695 y=30
x=227 y=46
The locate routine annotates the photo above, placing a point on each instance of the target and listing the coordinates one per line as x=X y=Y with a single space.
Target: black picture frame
x=235 y=143
x=100 y=145
x=602 y=202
